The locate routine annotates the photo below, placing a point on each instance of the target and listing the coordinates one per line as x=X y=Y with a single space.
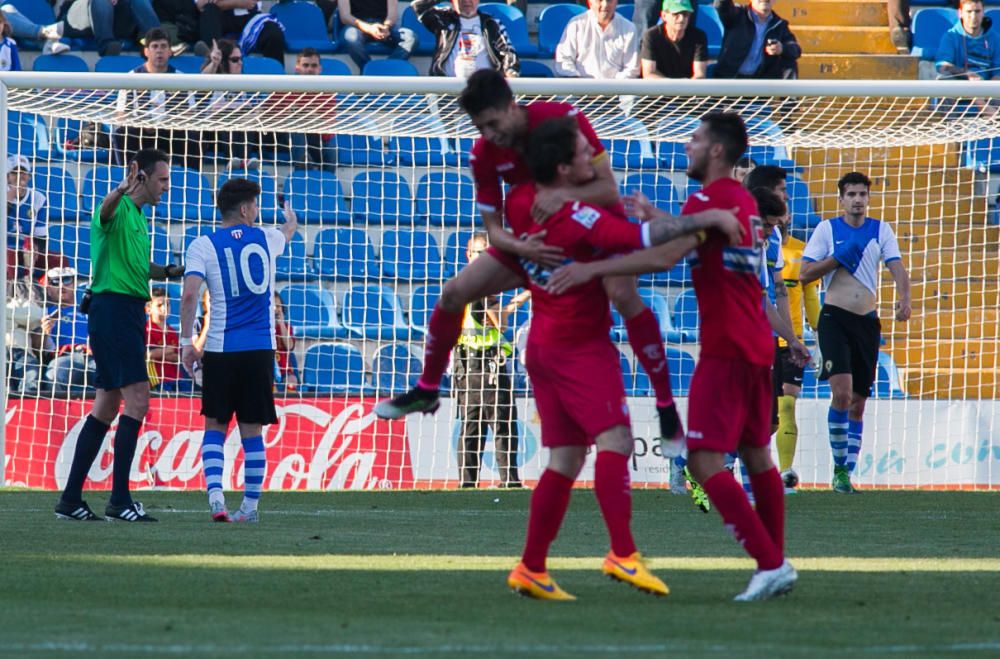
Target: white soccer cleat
x=765 y=584
x=678 y=481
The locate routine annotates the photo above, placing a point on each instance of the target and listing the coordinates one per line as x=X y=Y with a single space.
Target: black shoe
x=416 y=399
x=133 y=512
x=513 y=485
x=76 y=512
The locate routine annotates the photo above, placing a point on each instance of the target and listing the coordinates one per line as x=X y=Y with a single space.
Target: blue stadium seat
x=686 y=312
x=531 y=69
x=929 y=25
x=463 y=147
x=97 y=183
x=188 y=199
x=174 y=291
x=421 y=150
x=362 y=150
x=447 y=199
x=454 y=252
x=426 y=43
x=422 y=301
x=60 y=193
x=162 y=252
x=411 y=255
x=679 y=275
x=551 y=24
x=515 y=24
x=345 y=254
x=395 y=369
x=888 y=383
x=260 y=65
x=675 y=132
x=118 y=63
x=374 y=312
x=65 y=63
x=389 y=67
x=983 y=154
x=193 y=232
x=707 y=20
x=311 y=311
x=69 y=129
x=800 y=204
x=681 y=366
x=634 y=386
x=316 y=197
x=657 y=187
x=813 y=388
x=658 y=304
x=36 y=11
x=333 y=67
x=305 y=26
x=270 y=209
x=335 y=368
x=27 y=135
x=382 y=198
x=73 y=242
x=636 y=152
x=626 y=11
x=519 y=318
x=293 y=264
x=186 y=63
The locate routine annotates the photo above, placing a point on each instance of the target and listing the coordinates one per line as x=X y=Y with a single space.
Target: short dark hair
x=764 y=176
x=484 y=90
x=728 y=129
x=146 y=159
x=552 y=143
x=853 y=178
x=155 y=34
x=158 y=291
x=234 y=192
x=307 y=52
x=746 y=162
x=769 y=204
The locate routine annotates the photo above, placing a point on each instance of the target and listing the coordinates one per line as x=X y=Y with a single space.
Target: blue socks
x=854 y=429
x=213 y=461
x=254 y=469
x=837 y=421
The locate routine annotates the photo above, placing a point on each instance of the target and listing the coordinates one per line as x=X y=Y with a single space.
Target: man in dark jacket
x=757 y=42
x=467 y=39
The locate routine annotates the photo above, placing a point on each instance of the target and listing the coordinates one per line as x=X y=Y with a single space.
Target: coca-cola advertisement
x=317 y=444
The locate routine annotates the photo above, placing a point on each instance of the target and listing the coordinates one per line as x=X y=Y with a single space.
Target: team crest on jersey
x=505 y=166
x=586 y=215
x=701 y=196
x=237 y=234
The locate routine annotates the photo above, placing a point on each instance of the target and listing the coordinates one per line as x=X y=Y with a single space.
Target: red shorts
x=729 y=405
x=579 y=392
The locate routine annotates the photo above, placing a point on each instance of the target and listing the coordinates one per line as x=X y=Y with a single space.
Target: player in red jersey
x=505 y=127
x=573 y=365
x=730 y=400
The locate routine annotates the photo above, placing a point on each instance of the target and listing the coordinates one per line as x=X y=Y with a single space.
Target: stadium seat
x=983 y=154
x=73 y=242
x=675 y=133
x=411 y=255
x=118 y=63
x=60 y=193
x=888 y=383
x=37 y=11
x=420 y=150
x=800 y=204
x=629 y=153
x=64 y=63
x=422 y=301
x=97 y=183
x=463 y=147
x=374 y=312
x=270 y=209
x=316 y=197
x=311 y=311
x=515 y=24
x=305 y=26
x=381 y=198
x=193 y=232
x=187 y=63
x=658 y=304
x=929 y=25
x=395 y=369
x=333 y=67
x=360 y=150
x=634 y=386
x=67 y=130
x=335 y=368
x=626 y=11
x=551 y=24
x=345 y=254
x=426 y=42
x=188 y=199
x=531 y=69
x=707 y=20
x=657 y=187
x=389 y=67
x=686 y=312
x=679 y=275
x=162 y=252
x=455 y=247
x=27 y=135
x=681 y=366
x=812 y=387
x=447 y=199
x=260 y=65
x=293 y=264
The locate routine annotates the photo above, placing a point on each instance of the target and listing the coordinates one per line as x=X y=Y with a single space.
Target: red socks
x=549 y=502
x=614 y=495
x=647 y=344
x=728 y=497
x=443 y=330
x=769 y=492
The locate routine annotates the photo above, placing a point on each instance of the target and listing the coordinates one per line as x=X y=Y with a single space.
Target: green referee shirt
x=119 y=252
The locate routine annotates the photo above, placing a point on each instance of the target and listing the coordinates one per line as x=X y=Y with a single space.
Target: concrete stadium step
x=974 y=383
x=944 y=353
x=948 y=295
x=834 y=12
x=946 y=325
x=814 y=66
x=971 y=261
x=924 y=156
x=893 y=178
x=904 y=206
x=847 y=40
x=956 y=238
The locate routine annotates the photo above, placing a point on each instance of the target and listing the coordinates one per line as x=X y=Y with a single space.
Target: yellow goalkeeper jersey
x=799 y=296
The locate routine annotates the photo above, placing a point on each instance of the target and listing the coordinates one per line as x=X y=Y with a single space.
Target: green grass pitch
x=422 y=574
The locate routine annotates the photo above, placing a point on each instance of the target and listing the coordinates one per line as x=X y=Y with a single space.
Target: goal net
x=377 y=171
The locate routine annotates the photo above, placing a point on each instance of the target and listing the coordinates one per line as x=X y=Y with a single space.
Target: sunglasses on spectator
x=235 y=58
x=63 y=281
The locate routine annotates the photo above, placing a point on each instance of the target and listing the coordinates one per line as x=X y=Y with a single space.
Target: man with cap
x=64 y=333
x=674 y=48
x=27 y=224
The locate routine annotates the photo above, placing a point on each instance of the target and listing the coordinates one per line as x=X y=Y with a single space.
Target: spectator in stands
x=163 y=351
x=899 y=24
x=254 y=31
x=970 y=50
x=21 y=27
x=285 y=342
x=10 y=60
x=181 y=20
x=23 y=337
x=226 y=58
x=675 y=48
x=109 y=22
x=28 y=255
x=312 y=150
x=599 y=43
x=64 y=333
x=374 y=20
x=756 y=43
x=743 y=167
x=467 y=39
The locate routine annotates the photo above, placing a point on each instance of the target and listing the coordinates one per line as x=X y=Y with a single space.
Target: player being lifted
x=505 y=128
x=573 y=364
x=845 y=251
x=730 y=399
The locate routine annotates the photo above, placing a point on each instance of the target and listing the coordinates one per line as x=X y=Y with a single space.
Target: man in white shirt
x=599 y=43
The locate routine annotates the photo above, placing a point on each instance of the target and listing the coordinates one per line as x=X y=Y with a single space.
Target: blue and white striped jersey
x=877 y=237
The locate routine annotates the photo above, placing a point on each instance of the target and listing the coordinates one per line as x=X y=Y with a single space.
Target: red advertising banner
x=317 y=444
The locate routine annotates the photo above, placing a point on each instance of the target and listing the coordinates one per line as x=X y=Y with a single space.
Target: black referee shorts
x=849 y=344
x=116 y=325
x=240 y=383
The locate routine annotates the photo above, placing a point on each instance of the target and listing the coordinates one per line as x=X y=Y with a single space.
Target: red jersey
x=163 y=337
x=726 y=283
x=585 y=233
x=490 y=162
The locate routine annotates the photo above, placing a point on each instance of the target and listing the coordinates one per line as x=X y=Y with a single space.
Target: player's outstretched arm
x=781 y=325
x=902 y=279
x=667 y=227
x=653 y=259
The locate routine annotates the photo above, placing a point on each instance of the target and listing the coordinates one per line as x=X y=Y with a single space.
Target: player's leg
x=136 y=403
x=834 y=343
x=505 y=439
x=254 y=470
x=755 y=457
x=470 y=409
x=866 y=338
x=252 y=395
x=486 y=275
x=88 y=444
x=790 y=377
x=855 y=428
x=217 y=408
x=646 y=339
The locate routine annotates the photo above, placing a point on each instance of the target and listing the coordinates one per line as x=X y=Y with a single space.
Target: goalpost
x=387 y=224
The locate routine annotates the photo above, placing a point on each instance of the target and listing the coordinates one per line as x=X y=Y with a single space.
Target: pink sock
x=443 y=330
x=729 y=498
x=549 y=502
x=647 y=344
x=769 y=492
x=614 y=495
